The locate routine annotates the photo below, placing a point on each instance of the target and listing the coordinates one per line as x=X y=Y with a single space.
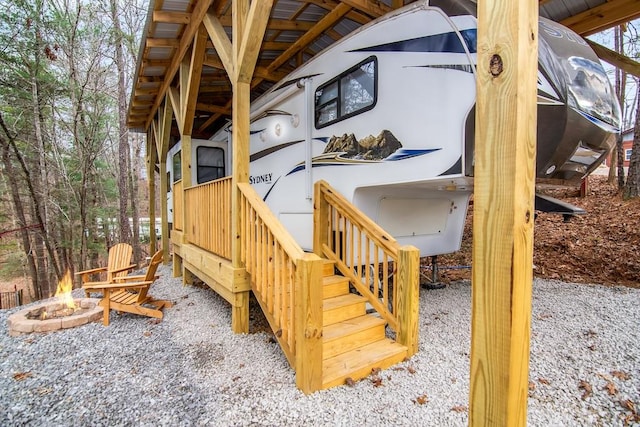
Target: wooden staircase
x=324 y=330
x=353 y=341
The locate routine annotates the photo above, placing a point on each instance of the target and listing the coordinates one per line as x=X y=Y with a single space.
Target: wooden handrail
x=287 y=283
x=382 y=271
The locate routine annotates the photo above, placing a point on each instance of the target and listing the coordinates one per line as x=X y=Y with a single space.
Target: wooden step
x=341 y=308
x=334 y=286
x=328 y=268
x=350 y=334
x=357 y=364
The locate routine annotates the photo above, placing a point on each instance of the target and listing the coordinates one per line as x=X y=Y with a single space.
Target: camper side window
x=177 y=166
x=210 y=164
x=352 y=92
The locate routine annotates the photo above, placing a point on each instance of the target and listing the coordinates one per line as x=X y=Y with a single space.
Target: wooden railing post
x=408 y=295
x=308 y=315
x=320 y=219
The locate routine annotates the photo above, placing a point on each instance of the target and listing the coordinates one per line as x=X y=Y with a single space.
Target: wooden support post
x=164 y=211
x=240 y=137
x=176 y=270
x=320 y=220
x=240 y=313
x=151 y=176
x=162 y=144
x=503 y=211
x=408 y=295
x=187 y=277
x=308 y=315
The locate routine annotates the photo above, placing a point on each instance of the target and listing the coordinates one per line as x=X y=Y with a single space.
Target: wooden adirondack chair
x=118 y=265
x=131 y=295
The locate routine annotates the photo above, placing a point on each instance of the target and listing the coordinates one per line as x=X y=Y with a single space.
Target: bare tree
x=617 y=159
x=632 y=186
x=124 y=151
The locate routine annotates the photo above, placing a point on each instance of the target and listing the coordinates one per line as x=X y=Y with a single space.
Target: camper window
x=350 y=93
x=210 y=164
x=177 y=166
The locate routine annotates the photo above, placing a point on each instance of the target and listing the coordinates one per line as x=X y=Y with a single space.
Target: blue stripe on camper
x=446 y=42
x=405 y=153
x=401 y=154
x=596 y=121
x=302 y=166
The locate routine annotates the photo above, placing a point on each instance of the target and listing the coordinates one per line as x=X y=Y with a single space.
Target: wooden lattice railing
x=287 y=282
x=377 y=266
x=177 y=206
x=208 y=220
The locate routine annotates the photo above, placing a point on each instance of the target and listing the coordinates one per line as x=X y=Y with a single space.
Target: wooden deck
x=325 y=329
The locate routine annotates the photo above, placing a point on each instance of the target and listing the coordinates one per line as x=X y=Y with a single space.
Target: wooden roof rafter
x=185 y=42
x=605 y=16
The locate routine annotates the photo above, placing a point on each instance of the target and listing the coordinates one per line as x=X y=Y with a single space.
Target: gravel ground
x=190 y=369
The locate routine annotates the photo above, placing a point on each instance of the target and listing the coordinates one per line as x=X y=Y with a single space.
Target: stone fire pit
x=30 y=319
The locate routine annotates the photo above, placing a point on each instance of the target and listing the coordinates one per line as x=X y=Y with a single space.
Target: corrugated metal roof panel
x=157 y=60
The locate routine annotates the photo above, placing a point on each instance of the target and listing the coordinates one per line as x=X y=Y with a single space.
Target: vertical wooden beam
x=151 y=176
x=320 y=220
x=253 y=33
x=308 y=315
x=503 y=211
x=240 y=131
x=239 y=11
x=408 y=298
x=240 y=156
x=240 y=313
x=164 y=131
x=185 y=152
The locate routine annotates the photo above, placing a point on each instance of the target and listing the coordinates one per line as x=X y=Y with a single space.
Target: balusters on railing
x=209 y=219
x=359 y=247
x=287 y=284
x=177 y=205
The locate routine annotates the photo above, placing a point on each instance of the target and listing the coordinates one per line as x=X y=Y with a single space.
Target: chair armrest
x=133 y=278
x=106 y=285
x=121 y=269
x=91 y=271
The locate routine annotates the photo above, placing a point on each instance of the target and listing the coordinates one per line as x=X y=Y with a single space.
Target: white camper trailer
x=386 y=116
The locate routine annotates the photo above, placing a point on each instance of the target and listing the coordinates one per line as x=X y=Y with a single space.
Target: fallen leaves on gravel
x=611 y=388
x=628 y=404
x=621 y=375
x=459 y=408
x=587 y=389
x=19 y=376
x=421 y=400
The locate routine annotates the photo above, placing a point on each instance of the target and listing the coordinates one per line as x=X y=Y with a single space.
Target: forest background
x=73 y=177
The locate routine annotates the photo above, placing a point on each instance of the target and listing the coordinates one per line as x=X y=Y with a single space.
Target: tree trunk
x=37 y=208
x=135 y=212
x=632 y=187
x=613 y=164
x=124 y=152
x=21 y=219
x=621 y=78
